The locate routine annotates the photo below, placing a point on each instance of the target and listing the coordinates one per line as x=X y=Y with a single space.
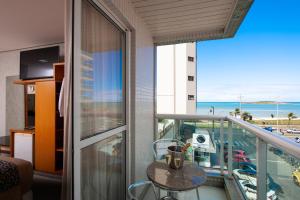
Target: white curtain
x=67 y=168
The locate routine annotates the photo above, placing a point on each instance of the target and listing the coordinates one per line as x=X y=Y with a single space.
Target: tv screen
x=38 y=63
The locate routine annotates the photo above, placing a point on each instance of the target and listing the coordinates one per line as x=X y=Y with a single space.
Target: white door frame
x=78 y=144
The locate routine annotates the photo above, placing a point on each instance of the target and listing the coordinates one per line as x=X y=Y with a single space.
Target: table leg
x=172 y=195
x=158 y=193
x=198 y=196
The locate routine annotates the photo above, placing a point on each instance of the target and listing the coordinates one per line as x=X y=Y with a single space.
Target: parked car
x=238 y=158
x=296 y=131
x=248 y=172
x=296 y=176
x=289 y=130
x=249 y=175
x=269 y=128
x=293 y=131
x=237 y=152
x=273 y=185
x=297 y=139
x=250 y=190
x=276 y=151
x=247 y=166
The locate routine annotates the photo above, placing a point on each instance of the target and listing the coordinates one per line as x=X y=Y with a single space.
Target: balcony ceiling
x=175 y=21
x=30 y=23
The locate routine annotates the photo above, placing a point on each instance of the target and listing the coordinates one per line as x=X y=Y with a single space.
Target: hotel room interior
x=31 y=71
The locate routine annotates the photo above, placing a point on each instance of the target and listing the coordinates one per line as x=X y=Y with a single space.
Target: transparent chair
x=140 y=191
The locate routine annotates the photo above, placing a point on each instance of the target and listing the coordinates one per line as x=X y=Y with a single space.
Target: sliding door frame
x=79 y=144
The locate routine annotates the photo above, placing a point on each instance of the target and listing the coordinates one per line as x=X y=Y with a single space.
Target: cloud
x=249 y=92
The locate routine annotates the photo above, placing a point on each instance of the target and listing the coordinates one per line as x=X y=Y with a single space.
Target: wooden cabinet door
x=45 y=126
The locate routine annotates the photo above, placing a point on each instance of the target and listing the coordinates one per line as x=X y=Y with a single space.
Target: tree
x=237 y=112
x=291 y=116
x=272 y=115
x=246 y=116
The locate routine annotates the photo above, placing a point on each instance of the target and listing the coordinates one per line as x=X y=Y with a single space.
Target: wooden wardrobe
x=48 y=147
x=48 y=124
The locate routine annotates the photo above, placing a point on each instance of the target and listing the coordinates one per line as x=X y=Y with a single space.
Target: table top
x=189 y=177
x=5 y=140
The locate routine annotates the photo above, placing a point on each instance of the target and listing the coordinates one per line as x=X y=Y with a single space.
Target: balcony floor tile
x=205 y=192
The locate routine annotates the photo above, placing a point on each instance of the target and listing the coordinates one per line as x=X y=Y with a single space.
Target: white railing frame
x=268 y=137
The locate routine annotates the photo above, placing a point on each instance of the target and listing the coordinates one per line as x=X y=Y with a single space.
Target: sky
x=262 y=61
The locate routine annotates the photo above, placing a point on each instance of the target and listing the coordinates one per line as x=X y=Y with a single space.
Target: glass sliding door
x=102 y=67
x=99 y=105
x=102 y=166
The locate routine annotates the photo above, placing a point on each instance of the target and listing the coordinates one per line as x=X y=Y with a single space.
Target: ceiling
x=173 y=21
x=29 y=23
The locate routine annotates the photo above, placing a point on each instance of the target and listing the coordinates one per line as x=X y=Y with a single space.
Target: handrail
x=287 y=145
x=271 y=138
x=190 y=117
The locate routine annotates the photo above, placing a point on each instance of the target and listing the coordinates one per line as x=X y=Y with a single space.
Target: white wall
x=9 y=66
x=144 y=104
x=14 y=110
x=165 y=79
x=173 y=87
x=181 y=78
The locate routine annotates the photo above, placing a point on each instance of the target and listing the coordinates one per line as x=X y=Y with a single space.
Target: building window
x=190 y=78
x=191 y=97
x=190 y=58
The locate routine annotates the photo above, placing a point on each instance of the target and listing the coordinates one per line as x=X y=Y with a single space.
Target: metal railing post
x=156 y=129
x=229 y=149
x=261 y=156
x=176 y=130
x=222 y=147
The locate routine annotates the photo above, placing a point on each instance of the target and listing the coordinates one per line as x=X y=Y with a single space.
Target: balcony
x=242 y=160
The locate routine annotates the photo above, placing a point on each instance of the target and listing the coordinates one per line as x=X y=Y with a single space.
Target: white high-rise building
x=176 y=79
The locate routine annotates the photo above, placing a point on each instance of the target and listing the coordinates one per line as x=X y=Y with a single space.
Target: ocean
x=256 y=110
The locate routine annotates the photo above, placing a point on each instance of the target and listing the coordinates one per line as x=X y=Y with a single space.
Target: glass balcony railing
x=263 y=164
x=207 y=153
x=283 y=173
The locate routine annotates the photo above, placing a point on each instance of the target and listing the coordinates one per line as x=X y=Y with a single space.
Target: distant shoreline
x=250 y=102
x=265 y=102
x=262 y=110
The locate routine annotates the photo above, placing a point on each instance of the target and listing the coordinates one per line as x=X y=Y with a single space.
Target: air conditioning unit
x=201 y=140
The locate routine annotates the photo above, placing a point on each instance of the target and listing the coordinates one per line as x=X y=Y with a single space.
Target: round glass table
x=189 y=177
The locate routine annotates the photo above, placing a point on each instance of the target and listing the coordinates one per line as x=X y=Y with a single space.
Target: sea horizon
x=246 y=101
x=257 y=110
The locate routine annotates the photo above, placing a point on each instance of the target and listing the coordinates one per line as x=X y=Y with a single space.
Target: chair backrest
x=160 y=147
x=144 y=187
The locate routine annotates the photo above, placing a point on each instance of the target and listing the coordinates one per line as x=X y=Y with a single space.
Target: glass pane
x=102 y=71
x=283 y=174
x=244 y=161
x=203 y=135
x=102 y=169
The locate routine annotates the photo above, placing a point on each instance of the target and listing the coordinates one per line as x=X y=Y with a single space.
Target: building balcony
x=242 y=160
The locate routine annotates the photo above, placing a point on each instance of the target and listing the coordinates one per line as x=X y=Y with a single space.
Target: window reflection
x=102 y=77
x=102 y=170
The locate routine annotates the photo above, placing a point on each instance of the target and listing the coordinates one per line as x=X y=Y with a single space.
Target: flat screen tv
x=38 y=63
